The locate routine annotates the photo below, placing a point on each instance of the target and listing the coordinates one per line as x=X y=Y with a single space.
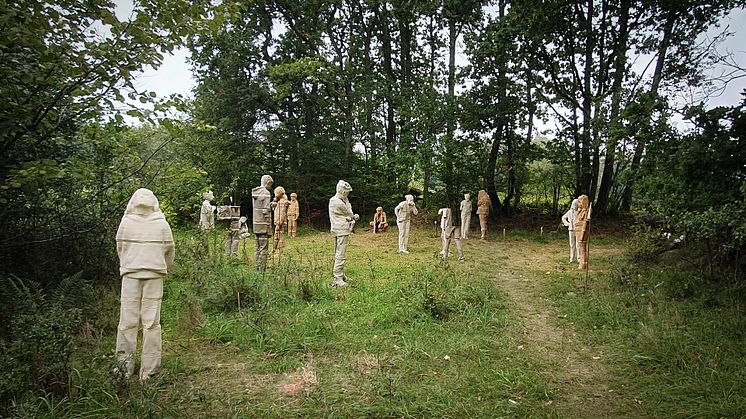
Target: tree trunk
x=620 y=64
x=642 y=140
x=585 y=157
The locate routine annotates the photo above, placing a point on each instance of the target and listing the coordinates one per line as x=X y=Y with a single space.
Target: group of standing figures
x=145 y=247
x=577 y=220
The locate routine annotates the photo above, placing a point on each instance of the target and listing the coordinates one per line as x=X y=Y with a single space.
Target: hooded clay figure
x=404 y=212
x=465 y=216
x=448 y=232
x=380 y=221
x=280 y=205
x=261 y=201
x=145 y=247
x=342 y=221
x=568 y=220
x=484 y=203
x=293 y=214
x=207 y=212
x=582 y=219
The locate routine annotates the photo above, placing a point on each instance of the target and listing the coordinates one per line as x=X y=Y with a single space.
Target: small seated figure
x=293 y=214
x=380 y=222
x=448 y=232
x=207 y=212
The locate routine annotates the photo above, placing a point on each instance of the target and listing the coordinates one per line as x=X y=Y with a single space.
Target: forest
x=534 y=101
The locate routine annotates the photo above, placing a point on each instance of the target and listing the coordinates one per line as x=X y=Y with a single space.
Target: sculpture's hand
x=355 y=217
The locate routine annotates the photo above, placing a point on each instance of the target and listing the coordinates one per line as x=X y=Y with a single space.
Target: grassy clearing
x=675 y=344
x=413 y=336
x=511 y=332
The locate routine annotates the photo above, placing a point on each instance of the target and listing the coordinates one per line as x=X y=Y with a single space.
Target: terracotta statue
x=145 y=247
x=568 y=220
x=484 y=203
x=582 y=222
x=404 y=212
x=465 y=216
x=280 y=206
x=380 y=221
x=342 y=221
x=262 y=220
x=448 y=232
x=207 y=212
x=293 y=214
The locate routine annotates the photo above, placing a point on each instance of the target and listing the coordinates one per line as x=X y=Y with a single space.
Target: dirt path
x=576 y=372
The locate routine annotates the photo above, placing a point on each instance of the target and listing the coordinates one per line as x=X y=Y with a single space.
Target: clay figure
x=145 y=247
x=207 y=212
x=484 y=203
x=568 y=220
x=449 y=232
x=293 y=214
x=280 y=206
x=404 y=212
x=342 y=221
x=465 y=216
x=582 y=222
x=380 y=221
x=262 y=220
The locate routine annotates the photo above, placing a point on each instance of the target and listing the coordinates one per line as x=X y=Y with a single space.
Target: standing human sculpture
x=145 y=247
x=404 y=212
x=262 y=220
x=342 y=221
x=582 y=231
x=465 y=216
x=293 y=214
x=568 y=220
x=207 y=212
x=484 y=203
x=280 y=205
x=449 y=232
x=380 y=221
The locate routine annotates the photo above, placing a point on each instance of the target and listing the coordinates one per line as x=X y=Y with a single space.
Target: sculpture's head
x=583 y=202
x=242 y=220
x=279 y=192
x=142 y=202
x=574 y=205
x=208 y=195
x=467 y=196
x=267 y=181
x=379 y=210
x=482 y=194
x=293 y=196
x=343 y=188
x=409 y=199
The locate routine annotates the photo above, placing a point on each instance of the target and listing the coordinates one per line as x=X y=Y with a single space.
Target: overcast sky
x=175 y=75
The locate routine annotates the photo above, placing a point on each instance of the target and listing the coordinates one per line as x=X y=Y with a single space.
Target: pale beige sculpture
x=342 y=221
x=380 y=221
x=231 y=242
x=582 y=221
x=404 y=212
x=207 y=212
x=484 y=203
x=280 y=205
x=262 y=220
x=465 y=216
x=568 y=220
x=448 y=233
x=293 y=214
x=145 y=247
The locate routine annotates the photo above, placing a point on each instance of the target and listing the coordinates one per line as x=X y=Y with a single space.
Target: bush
x=38 y=335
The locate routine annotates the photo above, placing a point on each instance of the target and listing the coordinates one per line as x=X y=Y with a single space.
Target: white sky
x=175 y=76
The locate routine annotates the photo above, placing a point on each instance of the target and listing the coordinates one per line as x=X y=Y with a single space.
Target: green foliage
x=38 y=338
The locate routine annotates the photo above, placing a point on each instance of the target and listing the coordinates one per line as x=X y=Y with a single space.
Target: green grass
x=415 y=336
x=675 y=343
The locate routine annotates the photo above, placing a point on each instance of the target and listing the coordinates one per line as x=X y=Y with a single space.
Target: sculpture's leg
x=483 y=225
x=401 y=225
x=460 y=249
x=129 y=322
x=339 y=260
x=573 y=246
x=583 y=260
x=260 y=253
x=151 y=327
